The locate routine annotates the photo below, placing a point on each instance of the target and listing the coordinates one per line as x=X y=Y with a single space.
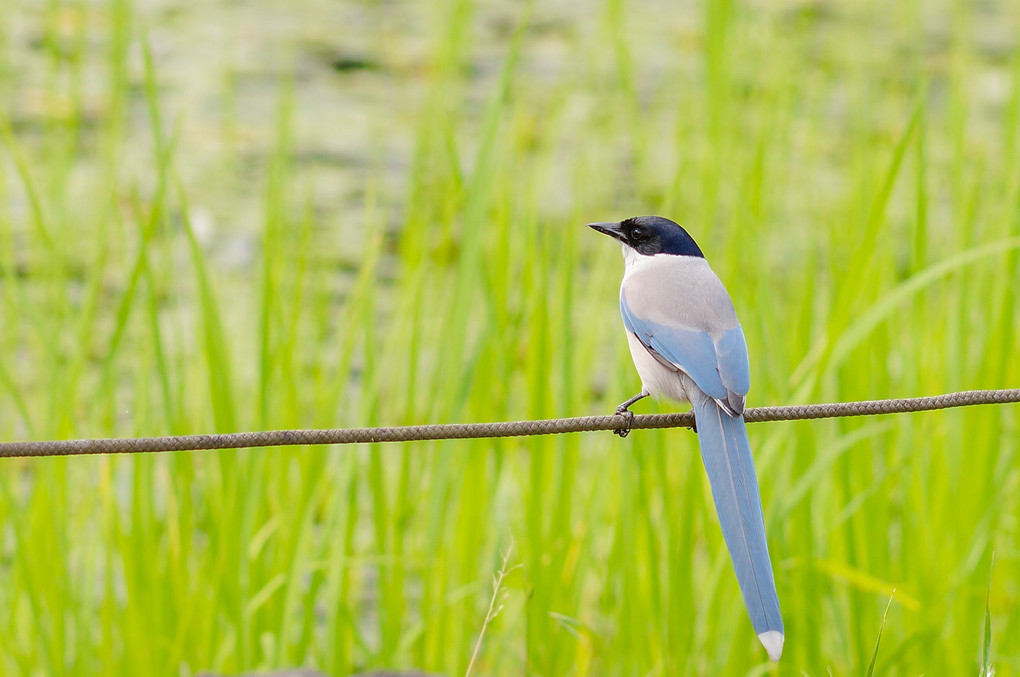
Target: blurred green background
x=227 y=216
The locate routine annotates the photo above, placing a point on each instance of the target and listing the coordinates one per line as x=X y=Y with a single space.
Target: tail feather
x=727 y=457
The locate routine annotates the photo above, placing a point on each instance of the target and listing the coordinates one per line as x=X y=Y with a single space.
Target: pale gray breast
x=678 y=291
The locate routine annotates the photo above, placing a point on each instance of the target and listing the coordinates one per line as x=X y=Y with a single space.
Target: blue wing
x=718 y=367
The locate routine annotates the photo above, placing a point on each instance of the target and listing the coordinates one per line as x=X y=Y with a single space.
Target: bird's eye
x=637 y=232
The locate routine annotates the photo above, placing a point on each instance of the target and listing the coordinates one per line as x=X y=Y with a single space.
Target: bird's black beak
x=609 y=228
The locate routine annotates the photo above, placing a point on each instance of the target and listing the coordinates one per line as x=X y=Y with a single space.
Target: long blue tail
x=727 y=456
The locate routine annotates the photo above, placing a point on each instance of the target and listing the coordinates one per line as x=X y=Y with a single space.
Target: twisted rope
x=460 y=431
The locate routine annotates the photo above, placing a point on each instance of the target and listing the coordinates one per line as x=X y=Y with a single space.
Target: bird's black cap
x=651 y=235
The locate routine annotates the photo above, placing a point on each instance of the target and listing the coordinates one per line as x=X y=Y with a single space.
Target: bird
x=688 y=347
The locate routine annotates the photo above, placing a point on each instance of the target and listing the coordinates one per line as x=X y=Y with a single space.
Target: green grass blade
x=878 y=640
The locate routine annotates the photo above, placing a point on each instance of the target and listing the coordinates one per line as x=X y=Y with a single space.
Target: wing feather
x=718 y=366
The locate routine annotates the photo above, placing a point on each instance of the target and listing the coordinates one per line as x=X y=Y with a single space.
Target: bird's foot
x=624 y=411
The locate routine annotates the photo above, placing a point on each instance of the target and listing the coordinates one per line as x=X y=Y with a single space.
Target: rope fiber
x=461 y=431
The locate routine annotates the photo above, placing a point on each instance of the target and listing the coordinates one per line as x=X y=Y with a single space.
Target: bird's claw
x=623 y=411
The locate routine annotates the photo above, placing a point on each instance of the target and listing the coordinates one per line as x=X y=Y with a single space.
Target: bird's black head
x=651 y=235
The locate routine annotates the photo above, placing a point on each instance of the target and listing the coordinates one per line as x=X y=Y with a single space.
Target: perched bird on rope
x=687 y=346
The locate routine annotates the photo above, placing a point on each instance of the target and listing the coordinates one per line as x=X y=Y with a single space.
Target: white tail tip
x=773 y=642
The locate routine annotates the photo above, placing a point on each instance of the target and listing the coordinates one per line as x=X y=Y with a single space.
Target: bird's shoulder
x=678 y=291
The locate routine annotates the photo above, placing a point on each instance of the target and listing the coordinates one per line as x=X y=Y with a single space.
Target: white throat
x=631 y=258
